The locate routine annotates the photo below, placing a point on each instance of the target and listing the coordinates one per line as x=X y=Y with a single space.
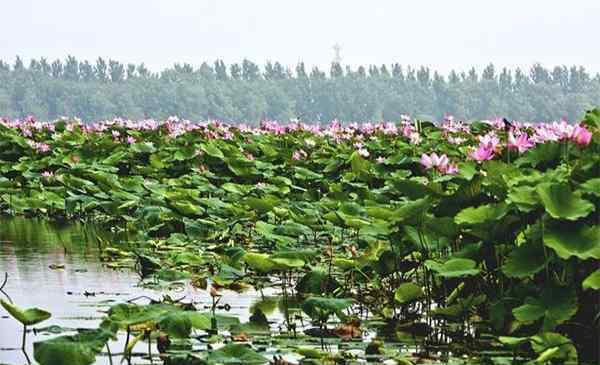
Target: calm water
x=29 y=246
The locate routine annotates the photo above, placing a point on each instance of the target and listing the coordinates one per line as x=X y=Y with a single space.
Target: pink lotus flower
x=47 y=175
x=130 y=140
x=439 y=163
x=489 y=141
x=521 y=143
x=115 y=134
x=581 y=136
x=249 y=156
x=482 y=153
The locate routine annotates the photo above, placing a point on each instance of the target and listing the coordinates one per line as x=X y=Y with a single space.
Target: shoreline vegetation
x=249 y=92
x=473 y=243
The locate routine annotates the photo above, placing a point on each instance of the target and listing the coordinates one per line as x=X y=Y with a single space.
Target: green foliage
x=233 y=353
x=408 y=292
x=242 y=92
x=79 y=349
x=454 y=268
x=506 y=247
x=561 y=203
x=27 y=317
x=320 y=308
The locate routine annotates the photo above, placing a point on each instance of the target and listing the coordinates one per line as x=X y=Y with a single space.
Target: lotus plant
x=438 y=163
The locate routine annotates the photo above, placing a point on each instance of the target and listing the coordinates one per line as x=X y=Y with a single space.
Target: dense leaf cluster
x=506 y=248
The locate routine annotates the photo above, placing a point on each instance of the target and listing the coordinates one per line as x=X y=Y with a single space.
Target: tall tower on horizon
x=337 y=57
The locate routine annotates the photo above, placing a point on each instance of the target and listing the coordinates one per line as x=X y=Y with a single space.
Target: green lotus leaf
x=459 y=310
x=322 y=307
x=212 y=150
x=27 y=317
x=592 y=281
x=482 y=214
x=259 y=262
x=80 y=349
x=454 y=268
x=143 y=147
x=555 y=306
x=525 y=260
x=408 y=293
x=524 y=197
x=234 y=353
x=592 y=186
x=316 y=281
x=582 y=242
x=513 y=341
x=561 y=203
x=177 y=323
x=413 y=211
x=553 y=346
x=262 y=205
x=283 y=263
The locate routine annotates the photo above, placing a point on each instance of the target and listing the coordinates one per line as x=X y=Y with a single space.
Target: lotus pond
x=203 y=243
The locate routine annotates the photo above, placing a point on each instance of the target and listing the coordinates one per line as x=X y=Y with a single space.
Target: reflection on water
x=29 y=246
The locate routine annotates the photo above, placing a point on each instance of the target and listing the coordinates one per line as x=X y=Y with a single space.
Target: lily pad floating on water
x=234 y=353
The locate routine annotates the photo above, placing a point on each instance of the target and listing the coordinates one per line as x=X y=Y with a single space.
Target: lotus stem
x=24 y=337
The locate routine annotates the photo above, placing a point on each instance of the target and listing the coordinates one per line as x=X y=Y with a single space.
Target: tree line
x=248 y=92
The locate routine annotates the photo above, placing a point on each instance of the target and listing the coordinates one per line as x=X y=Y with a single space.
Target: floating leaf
x=234 y=353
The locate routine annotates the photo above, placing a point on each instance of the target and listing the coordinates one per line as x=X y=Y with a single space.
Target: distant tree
x=241 y=92
x=116 y=70
x=101 y=69
x=336 y=70
x=130 y=71
x=489 y=73
x=250 y=70
x=301 y=71
x=235 y=71
x=539 y=74
x=18 y=66
x=71 y=69
x=142 y=71
x=57 y=69
x=86 y=70
x=397 y=72
x=220 y=70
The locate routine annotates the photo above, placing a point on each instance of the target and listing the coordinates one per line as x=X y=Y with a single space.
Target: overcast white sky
x=441 y=34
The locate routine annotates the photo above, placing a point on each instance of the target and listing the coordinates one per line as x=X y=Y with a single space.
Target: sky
x=442 y=34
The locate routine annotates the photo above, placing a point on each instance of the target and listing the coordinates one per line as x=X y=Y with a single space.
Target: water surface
x=78 y=294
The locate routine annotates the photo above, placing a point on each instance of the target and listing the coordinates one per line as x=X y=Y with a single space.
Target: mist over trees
x=250 y=92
